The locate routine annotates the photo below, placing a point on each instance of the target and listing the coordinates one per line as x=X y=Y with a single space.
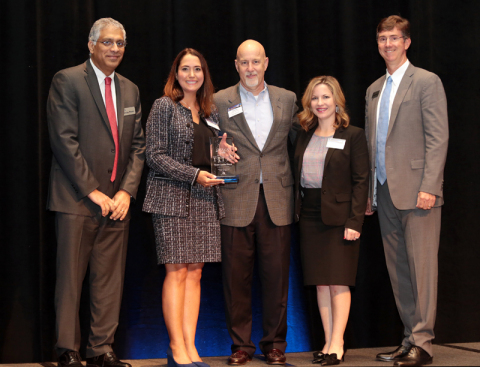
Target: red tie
x=113 y=121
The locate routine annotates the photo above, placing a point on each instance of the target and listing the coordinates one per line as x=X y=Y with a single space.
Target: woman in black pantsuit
x=331 y=183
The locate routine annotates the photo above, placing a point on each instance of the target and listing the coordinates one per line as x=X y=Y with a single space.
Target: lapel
x=215 y=131
x=92 y=82
x=239 y=119
x=119 y=91
x=302 y=146
x=339 y=134
x=401 y=91
x=277 y=113
x=372 y=110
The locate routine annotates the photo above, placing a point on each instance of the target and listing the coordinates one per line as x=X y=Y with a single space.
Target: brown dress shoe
x=416 y=357
x=108 y=359
x=400 y=352
x=70 y=358
x=275 y=356
x=239 y=358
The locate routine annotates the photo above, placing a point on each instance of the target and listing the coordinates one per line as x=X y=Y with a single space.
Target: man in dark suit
x=94 y=123
x=407 y=133
x=259 y=209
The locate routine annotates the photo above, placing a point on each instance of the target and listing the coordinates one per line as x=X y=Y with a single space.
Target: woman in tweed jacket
x=183 y=196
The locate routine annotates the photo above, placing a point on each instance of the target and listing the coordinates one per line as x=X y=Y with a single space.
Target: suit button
x=188 y=124
x=324 y=191
x=109 y=171
x=256 y=180
x=261 y=155
x=185 y=159
x=113 y=150
x=187 y=142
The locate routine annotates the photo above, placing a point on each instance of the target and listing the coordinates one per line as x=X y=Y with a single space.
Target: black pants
x=271 y=246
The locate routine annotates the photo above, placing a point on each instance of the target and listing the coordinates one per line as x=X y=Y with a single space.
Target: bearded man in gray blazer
x=94 y=123
x=259 y=209
x=407 y=132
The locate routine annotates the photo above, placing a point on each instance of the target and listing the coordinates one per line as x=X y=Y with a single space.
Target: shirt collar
x=246 y=94
x=399 y=73
x=100 y=75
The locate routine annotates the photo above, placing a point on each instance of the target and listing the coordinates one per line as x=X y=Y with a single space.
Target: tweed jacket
x=170 y=134
x=241 y=199
x=417 y=138
x=345 y=178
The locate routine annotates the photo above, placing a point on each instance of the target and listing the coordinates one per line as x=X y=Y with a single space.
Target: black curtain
x=303 y=39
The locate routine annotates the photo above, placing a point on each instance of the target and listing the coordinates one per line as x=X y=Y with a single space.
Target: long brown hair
x=204 y=93
x=308 y=119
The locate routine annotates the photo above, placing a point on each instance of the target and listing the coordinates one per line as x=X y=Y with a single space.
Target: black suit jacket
x=345 y=178
x=82 y=141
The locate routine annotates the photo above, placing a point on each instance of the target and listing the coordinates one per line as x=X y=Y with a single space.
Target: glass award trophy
x=222 y=153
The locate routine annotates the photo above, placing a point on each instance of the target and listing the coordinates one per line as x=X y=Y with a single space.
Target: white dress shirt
x=397 y=77
x=101 y=82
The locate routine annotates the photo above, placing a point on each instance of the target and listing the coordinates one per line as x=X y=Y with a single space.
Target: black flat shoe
x=331 y=360
x=318 y=356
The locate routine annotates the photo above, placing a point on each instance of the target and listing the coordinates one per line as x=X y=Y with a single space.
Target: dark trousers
x=271 y=245
x=102 y=243
x=411 y=240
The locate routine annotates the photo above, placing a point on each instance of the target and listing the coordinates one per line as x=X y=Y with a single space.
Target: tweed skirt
x=192 y=239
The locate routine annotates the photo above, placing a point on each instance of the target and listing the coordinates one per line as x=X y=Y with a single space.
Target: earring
x=337 y=109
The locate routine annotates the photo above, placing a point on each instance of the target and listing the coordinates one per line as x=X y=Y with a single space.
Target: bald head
x=251 y=64
x=250 y=46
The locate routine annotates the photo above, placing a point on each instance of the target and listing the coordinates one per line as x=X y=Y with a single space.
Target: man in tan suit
x=259 y=209
x=94 y=123
x=407 y=132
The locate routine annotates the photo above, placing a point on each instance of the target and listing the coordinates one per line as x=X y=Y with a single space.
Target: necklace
x=185 y=105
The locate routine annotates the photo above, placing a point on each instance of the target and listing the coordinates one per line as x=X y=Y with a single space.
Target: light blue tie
x=382 y=130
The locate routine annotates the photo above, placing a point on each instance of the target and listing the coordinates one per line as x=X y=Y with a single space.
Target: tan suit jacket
x=417 y=138
x=241 y=199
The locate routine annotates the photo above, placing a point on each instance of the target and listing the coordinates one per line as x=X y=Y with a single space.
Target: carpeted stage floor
x=463 y=354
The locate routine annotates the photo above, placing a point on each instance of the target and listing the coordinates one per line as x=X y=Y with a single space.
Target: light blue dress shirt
x=259 y=115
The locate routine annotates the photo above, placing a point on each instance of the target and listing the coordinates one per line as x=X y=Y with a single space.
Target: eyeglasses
x=392 y=39
x=109 y=43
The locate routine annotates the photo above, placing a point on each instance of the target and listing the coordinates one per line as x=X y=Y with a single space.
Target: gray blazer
x=241 y=199
x=169 y=155
x=82 y=141
x=417 y=139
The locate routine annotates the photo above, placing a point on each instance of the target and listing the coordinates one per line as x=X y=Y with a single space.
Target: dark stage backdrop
x=303 y=39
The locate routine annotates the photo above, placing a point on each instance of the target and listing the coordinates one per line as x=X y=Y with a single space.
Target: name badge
x=129 y=111
x=336 y=143
x=235 y=110
x=212 y=123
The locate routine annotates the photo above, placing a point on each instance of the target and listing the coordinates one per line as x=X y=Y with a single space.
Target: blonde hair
x=308 y=119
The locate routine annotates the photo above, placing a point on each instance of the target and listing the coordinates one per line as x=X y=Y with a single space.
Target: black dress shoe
x=398 y=353
x=416 y=357
x=318 y=356
x=108 y=359
x=70 y=358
